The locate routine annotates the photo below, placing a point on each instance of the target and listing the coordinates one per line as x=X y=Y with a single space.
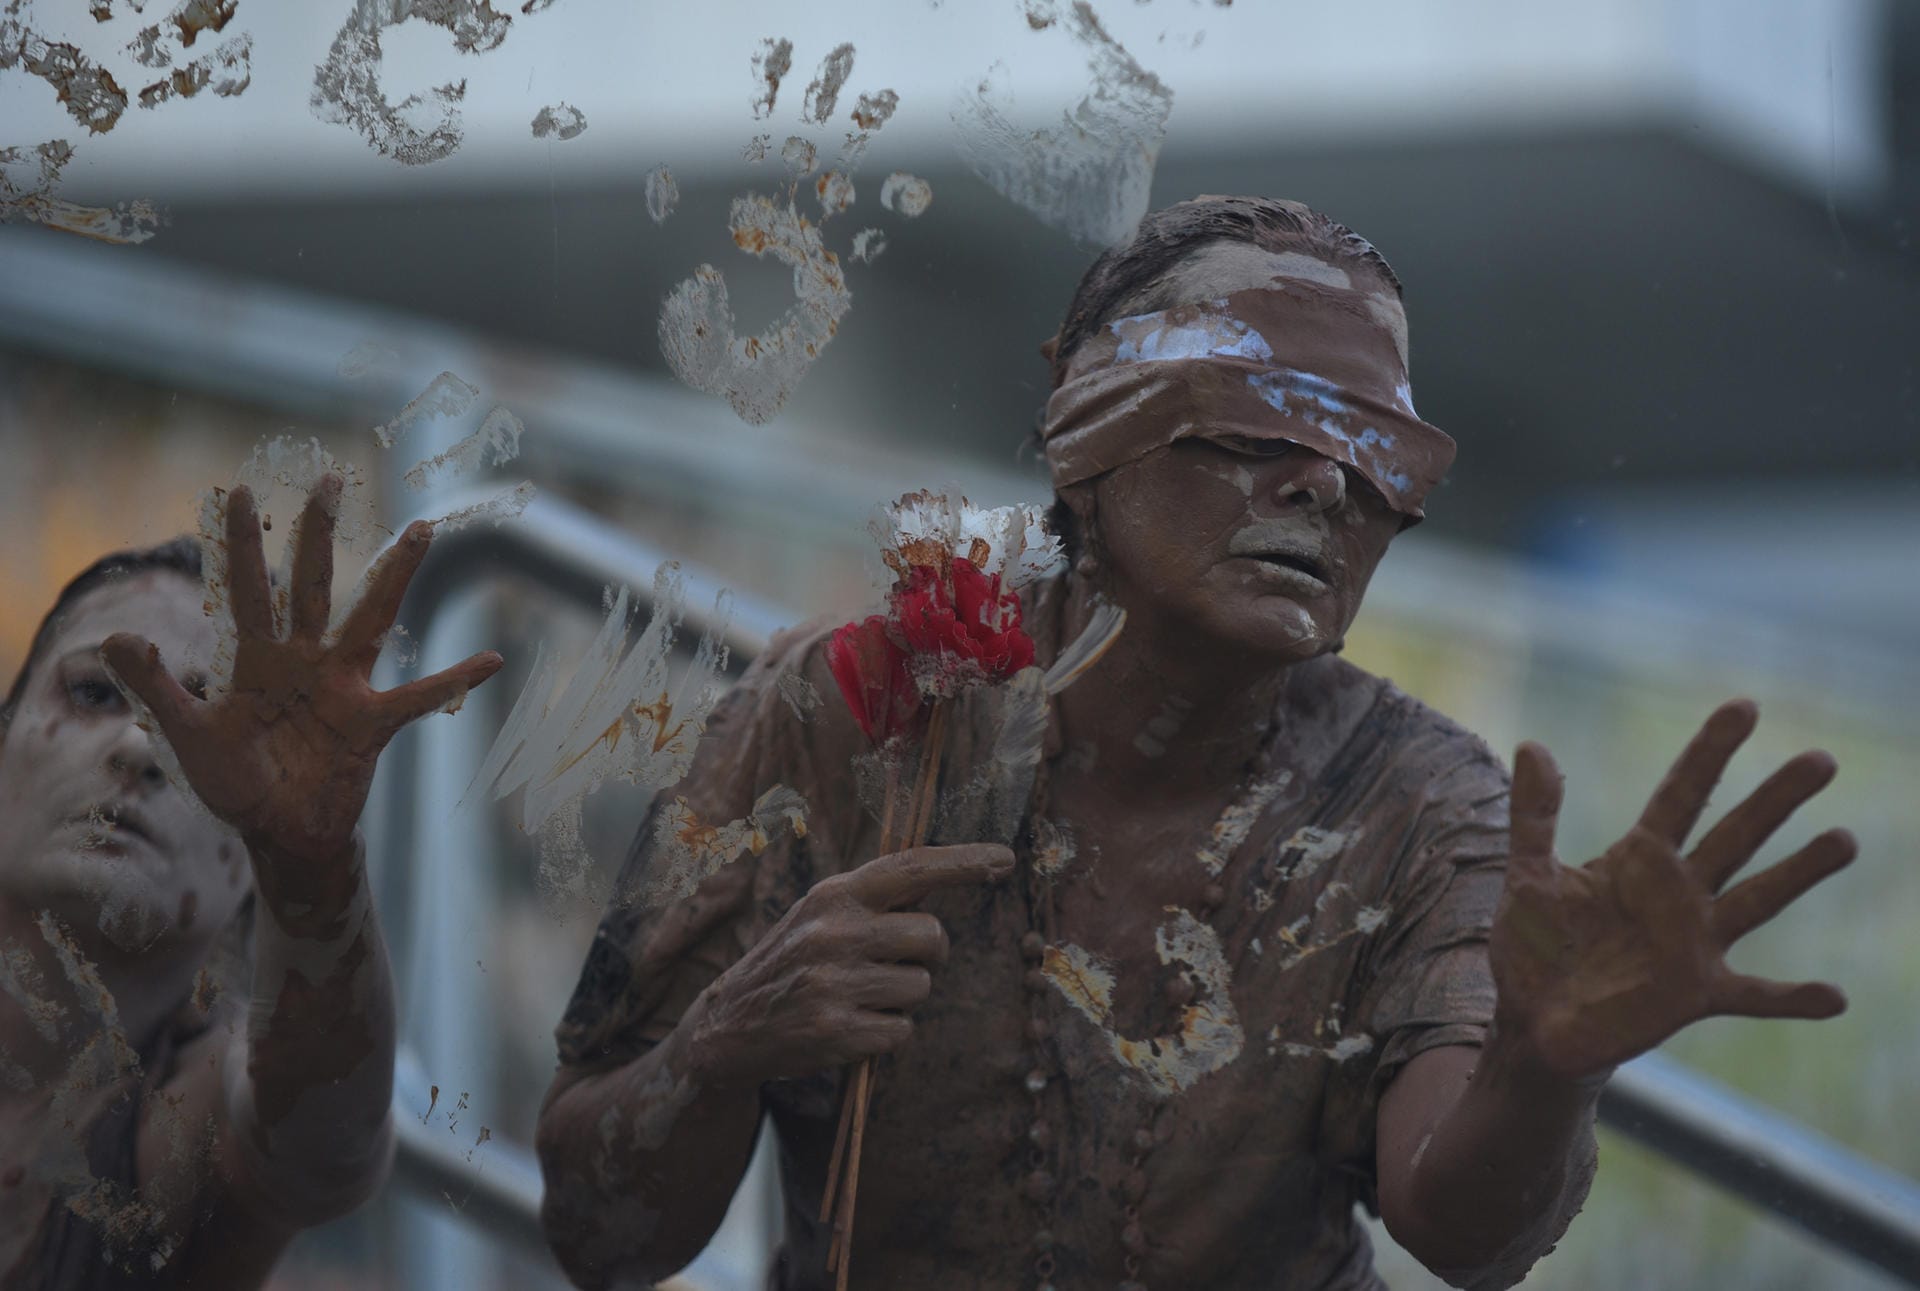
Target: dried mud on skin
x=1090 y=175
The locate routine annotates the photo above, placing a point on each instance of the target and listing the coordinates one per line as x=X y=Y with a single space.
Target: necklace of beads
x=1039 y=1185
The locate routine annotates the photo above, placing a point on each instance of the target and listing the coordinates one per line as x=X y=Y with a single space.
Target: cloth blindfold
x=1302 y=361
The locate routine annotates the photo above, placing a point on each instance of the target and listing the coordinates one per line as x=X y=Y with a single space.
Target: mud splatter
x=91 y=95
x=756 y=374
x=867 y=245
x=495 y=443
x=1231 y=830
x=799 y=156
x=823 y=92
x=445 y=396
x=663 y=193
x=22 y=982
x=559 y=121
x=1210 y=1034
x=835 y=191
x=756 y=149
x=770 y=66
x=802 y=696
x=347 y=89
x=874 y=110
x=686 y=849
x=280 y=472
x=227 y=69
x=615 y=716
x=1054 y=848
x=1151 y=741
x=1329 y=1041
x=1092 y=174
x=908 y=194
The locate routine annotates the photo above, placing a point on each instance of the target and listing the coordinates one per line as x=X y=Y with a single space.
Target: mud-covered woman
x=1275 y=941
x=196 y=1015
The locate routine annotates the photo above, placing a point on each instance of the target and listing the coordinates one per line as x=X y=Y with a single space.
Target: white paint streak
x=616 y=715
x=1210 y=1036
x=1238 y=820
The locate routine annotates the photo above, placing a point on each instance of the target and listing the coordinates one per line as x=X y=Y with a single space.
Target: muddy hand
x=1597 y=964
x=287 y=754
x=832 y=982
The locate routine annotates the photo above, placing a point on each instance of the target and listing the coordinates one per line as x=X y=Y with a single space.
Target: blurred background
x=1659 y=266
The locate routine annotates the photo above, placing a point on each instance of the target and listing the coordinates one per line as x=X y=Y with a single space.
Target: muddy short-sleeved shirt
x=1352 y=937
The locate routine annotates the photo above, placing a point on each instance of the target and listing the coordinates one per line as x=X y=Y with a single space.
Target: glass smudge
x=560 y=121
x=663 y=193
x=616 y=715
x=347 y=89
x=686 y=850
x=1090 y=175
x=908 y=194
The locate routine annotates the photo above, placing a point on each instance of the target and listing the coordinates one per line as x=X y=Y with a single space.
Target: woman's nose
x=1310 y=482
x=130 y=760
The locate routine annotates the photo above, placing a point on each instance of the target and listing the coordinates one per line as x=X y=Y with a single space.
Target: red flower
x=961 y=627
x=875 y=678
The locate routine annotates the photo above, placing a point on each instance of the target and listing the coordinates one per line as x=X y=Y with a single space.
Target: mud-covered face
x=1260 y=545
x=90 y=827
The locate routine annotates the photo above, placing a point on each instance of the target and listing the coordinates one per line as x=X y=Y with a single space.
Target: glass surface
x=1658 y=267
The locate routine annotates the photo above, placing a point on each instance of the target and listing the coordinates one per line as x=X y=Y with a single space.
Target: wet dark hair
x=182 y=555
x=230 y=963
x=1136 y=278
x=1124 y=279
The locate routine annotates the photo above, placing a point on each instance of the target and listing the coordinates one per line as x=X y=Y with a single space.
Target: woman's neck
x=1165 y=716
x=60 y=992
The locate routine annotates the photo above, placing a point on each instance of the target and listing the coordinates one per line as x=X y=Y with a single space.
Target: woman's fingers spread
x=912 y=936
x=1754 y=901
x=368 y=622
x=311 y=596
x=1758 y=997
x=136 y=662
x=248 y=590
x=443 y=690
x=1676 y=805
x=1538 y=788
x=1732 y=842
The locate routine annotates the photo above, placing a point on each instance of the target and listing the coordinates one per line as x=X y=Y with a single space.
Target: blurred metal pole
x=1769 y=1160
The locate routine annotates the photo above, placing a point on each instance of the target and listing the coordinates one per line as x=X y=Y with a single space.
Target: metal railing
x=1759 y=1155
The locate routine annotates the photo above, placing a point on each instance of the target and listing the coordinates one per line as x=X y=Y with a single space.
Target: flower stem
x=917 y=822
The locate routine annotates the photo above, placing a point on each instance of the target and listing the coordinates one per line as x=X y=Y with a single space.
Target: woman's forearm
x=310 y=1103
x=1503 y=1171
x=642 y=1161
